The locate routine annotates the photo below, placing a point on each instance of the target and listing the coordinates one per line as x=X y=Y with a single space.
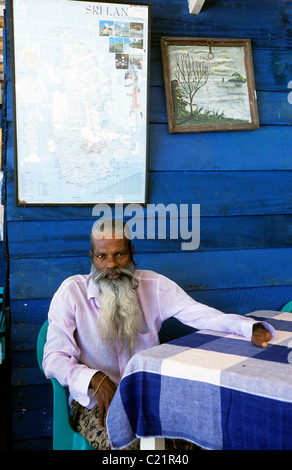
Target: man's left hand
x=260 y=336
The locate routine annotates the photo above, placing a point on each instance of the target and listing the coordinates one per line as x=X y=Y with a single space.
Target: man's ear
x=90 y=254
x=132 y=251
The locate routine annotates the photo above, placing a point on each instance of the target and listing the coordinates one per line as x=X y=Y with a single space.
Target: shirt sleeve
x=61 y=353
x=175 y=302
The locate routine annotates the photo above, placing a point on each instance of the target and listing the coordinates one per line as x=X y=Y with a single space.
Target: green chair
x=287 y=307
x=64 y=437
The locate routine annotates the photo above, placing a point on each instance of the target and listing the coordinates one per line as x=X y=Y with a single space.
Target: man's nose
x=111 y=262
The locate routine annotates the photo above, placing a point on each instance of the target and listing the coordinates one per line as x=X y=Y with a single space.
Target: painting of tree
x=209 y=84
x=179 y=103
x=191 y=75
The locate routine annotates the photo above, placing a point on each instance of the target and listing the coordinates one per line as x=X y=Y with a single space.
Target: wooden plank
x=272 y=61
x=27 y=359
x=272 y=68
x=29 y=310
x=261 y=21
x=32 y=424
x=32 y=396
x=225 y=15
x=55 y=212
x=237 y=300
x=71 y=238
x=22 y=359
x=246 y=300
x=268 y=148
x=42 y=443
x=213 y=270
x=50 y=272
x=27 y=376
x=195 y=6
x=197 y=270
x=274 y=108
x=24 y=337
x=237 y=193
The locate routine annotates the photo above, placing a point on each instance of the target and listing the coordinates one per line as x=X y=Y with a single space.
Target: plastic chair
x=64 y=437
x=287 y=307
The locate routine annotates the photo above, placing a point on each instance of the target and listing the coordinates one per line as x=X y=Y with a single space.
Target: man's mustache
x=128 y=271
x=110 y=271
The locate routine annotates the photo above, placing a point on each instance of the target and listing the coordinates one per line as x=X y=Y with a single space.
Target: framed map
x=80 y=89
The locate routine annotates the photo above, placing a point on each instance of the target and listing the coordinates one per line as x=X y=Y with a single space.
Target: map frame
x=81 y=151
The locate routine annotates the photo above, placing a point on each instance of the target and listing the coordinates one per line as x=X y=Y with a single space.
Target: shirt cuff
x=80 y=392
x=269 y=328
x=248 y=329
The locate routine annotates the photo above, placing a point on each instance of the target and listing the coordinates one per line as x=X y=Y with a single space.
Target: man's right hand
x=104 y=395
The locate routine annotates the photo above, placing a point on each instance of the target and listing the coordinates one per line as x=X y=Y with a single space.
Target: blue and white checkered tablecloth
x=214 y=389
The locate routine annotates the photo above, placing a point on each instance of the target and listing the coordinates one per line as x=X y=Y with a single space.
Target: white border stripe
x=199 y=365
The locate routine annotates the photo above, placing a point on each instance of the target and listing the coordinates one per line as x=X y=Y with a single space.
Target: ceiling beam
x=195 y=6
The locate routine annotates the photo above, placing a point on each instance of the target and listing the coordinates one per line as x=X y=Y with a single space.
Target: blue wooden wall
x=242 y=180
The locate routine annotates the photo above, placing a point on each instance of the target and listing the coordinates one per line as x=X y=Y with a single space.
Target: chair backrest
x=64 y=437
x=41 y=343
x=287 y=307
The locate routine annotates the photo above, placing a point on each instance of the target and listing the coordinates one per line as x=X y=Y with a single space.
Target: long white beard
x=121 y=317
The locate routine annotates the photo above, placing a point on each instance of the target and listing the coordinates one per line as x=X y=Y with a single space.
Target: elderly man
x=98 y=321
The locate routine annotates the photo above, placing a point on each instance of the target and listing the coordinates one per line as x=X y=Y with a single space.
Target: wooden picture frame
x=209 y=85
x=80 y=92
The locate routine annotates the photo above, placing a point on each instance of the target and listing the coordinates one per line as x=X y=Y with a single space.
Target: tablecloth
x=214 y=389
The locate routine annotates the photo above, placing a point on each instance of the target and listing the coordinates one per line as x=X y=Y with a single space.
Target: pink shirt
x=74 y=352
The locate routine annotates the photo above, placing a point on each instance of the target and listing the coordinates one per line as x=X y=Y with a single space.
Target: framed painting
x=80 y=92
x=209 y=85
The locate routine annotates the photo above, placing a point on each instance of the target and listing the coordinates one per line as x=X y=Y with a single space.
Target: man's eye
x=99 y=256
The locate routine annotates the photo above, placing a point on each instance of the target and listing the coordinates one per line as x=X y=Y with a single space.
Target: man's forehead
x=110 y=243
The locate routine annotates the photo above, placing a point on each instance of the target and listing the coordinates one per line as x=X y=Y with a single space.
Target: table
x=214 y=389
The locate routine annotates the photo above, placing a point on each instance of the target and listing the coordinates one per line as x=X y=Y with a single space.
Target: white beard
x=121 y=317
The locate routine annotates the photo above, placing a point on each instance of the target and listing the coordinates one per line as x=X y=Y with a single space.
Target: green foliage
x=183 y=116
x=179 y=104
x=237 y=78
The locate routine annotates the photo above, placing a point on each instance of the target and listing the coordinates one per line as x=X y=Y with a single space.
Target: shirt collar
x=92 y=291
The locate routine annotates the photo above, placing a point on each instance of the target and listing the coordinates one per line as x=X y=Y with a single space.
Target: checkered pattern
x=214 y=389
